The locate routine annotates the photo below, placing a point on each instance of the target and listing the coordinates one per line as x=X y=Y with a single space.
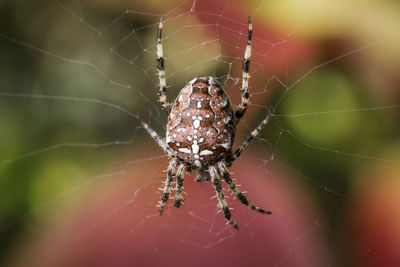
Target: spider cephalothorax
x=200 y=132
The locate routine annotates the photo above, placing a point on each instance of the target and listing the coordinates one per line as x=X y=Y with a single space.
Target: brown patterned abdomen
x=201 y=125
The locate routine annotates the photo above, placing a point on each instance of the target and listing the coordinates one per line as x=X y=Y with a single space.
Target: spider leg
x=179 y=185
x=159 y=140
x=167 y=186
x=250 y=137
x=216 y=181
x=162 y=93
x=239 y=195
x=241 y=109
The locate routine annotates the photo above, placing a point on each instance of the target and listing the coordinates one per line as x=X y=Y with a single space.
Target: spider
x=200 y=132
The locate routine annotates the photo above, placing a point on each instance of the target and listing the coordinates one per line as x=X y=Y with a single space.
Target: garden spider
x=200 y=132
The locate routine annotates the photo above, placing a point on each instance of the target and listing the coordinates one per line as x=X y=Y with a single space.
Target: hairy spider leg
x=250 y=137
x=158 y=139
x=179 y=185
x=162 y=93
x=239 y=195
x=241 y=109
x=167 y=186
x=216 y=181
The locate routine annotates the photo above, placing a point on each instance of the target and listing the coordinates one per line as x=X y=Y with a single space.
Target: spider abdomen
x=201 y=123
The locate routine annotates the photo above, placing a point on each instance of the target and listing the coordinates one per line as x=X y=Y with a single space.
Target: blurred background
x=79 y=177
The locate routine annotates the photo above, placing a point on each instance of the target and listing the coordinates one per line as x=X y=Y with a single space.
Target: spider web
x=78 y=76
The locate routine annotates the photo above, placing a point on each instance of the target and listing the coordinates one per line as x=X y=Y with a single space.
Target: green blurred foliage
x=322 y=99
